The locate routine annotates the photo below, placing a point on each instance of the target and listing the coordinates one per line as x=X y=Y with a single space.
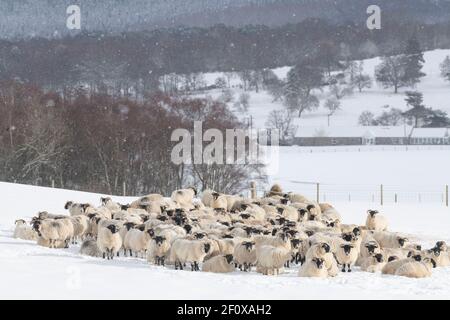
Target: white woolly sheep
x=24 y=231
x=373 y=263
x=376 y=221
x=184 y=197
x=245 y=255
x=76 y=209
x=314 y=267
x=219 y=264
x=416 y=269
x=110 y=204
x=192 y=251
x=346 y=255
x=389 y=240
x=80 y=227
x=109 y=241
x=136 y=241
x=53 y=231
x=271 y=259
x=157 y=250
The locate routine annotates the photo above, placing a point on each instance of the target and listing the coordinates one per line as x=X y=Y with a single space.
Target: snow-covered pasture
x=30 y=271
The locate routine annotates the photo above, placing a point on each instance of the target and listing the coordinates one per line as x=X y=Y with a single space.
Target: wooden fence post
x=446 y=195
x=318 y=192
x=381 y=195
x=253 y=189
x=124 y=189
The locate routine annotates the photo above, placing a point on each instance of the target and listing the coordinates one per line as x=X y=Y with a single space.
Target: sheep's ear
x=409 y=254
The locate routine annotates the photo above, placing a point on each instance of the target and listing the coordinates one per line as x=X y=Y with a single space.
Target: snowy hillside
x=30 y=271
x=436 y=91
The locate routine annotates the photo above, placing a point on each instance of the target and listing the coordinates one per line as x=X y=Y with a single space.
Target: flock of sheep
x=221 y=232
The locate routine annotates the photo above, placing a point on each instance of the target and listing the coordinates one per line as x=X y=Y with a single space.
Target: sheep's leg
x=112 y=254
x=176 y=265
x=162 y=261
x=349 y=269
x=103 y=255
x=131 y=253
x=118 y=253
x=343 y=267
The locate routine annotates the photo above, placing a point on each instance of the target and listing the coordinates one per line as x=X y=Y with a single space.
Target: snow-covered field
x=32 y=272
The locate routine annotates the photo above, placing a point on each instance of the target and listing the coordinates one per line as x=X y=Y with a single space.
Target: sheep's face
x=248 y=245
x=318 y=262
x=245 y=216
x=372 y=213
x=68 y=205
x=151 y=232
x=124 y=207
x=430 y=261
x=402 y=241
x=244 y=206
x=378 y=258
x=347 y=248
x=199 y=235
x=188 y=228
x=371 y=247
x=392 y=258
x=229 y=258
x=325 y=247
x=215 y=195
x=441 y=245
x=159 y=240
x=280 y=210
x=103 y=201
x=296 y=243
x=309 y=233
x=19 y=222
x=356 y=231
x=113 y=228
x=284 y=201
x=207 y=247
x=129 y=225
x=347 y=236
x=302 y=213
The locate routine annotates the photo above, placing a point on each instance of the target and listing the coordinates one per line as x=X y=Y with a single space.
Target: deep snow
x=32 y=272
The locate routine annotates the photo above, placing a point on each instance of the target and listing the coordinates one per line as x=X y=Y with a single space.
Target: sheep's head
x=371 y=246
x=325 y=247
x=348 y=236
x=430 y=261
x=357 y=231
x=392 y=258
x=161 y=218
x=248 y=245
x=43 y=215
x=229 y=258
x=104 y=200
x=245 y=216
x=199 y=235
x=372 y=213
x=124 y=207
x=206 y=247
x=84 y=206
x=129 y=225
x=188 y=228
x=113 y=228
x=163 y=208
x=144 y=217
x=402 y=241
x=244 y=206
x=330 y=224
x=220 y=210
x=68 y=204
x=140 y=227
x=347 y=248
x=318 y=262
x=280 y=210
x=379 y=258
x=441 y=245
x=284 y=201
x=194 y=189
x=296 y=243
x=309 y=233
x=159 y=240
x=151 y=232
x=19 y=222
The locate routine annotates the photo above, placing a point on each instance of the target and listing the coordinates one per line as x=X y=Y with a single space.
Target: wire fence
x=376 y=194
x=371 y=148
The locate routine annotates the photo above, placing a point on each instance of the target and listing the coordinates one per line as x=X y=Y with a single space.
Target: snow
x=436 y=91
x=31 y=272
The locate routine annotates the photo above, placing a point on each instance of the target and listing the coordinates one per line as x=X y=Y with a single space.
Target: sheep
x=295 y=197
x=23 y=231
x=52 y=230
x=157 y=250
x=89 y=248
x=102 y=211
x=76 y=209
x=323 y=250
x=290 y=213
x=136 y=241
x=184 y=197
x=271 y=259
x=394 y=263
x=314 y=212
x=219 y=264
x=275 y=190
x=440 y=257
x=110 y=204
x=346 y=255
x=373 y=263
x=389 y=240
x=367 y=249
x=80 y=227
x=245 y=255
x=193 y=251
x=376 y=221
x=207 y=197
x=219 y=202
x=416 y=269
x=331 y=214
x=109 y=241
x=325 y=206
x=314 y=267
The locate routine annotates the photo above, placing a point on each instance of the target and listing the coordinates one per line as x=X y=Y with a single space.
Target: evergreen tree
x=413 y=63
x=418 y=112
x=445 y=68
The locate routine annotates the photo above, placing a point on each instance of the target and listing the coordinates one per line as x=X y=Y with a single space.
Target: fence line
x=377 y=194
